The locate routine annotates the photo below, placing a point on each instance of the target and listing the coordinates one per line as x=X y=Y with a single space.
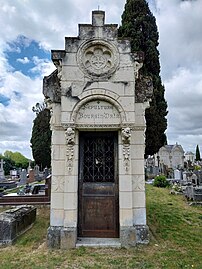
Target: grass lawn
x=176 y=242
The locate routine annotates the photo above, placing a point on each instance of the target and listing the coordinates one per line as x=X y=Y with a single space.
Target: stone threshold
x=98 y=242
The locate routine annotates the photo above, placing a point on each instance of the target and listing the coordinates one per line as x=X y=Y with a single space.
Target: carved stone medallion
x=98 y=58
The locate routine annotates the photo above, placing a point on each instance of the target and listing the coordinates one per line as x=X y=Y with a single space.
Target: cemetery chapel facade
x=97 y=102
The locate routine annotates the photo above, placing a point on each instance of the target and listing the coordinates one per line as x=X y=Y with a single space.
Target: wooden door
x=98 y=185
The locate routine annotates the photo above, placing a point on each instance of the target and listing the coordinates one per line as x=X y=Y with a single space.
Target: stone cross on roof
x=98 y=18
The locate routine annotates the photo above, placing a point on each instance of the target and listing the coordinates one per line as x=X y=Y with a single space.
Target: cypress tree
x=139 y=24
x=198 y=156
x=41 y=138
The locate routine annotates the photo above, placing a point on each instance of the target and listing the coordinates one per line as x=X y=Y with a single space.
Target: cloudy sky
x=31 y=28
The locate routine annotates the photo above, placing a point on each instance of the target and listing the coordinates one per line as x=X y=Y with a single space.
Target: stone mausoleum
x=97 y=100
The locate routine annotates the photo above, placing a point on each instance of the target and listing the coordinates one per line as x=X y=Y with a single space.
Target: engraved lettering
x=99 y=112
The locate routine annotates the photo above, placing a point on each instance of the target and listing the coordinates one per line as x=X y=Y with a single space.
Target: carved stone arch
x=93 y=97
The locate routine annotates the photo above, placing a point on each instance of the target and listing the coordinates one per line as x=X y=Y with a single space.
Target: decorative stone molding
x=70 y=140
x=98 y=126
x=98 y=58
x=73 y=125
x=98 y=97
x=126 y=136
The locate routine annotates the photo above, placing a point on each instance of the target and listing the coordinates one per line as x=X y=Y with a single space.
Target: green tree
x=18 y=159
x=8 y=164
x=41 y=138
x=139 y=24
x=198 y=156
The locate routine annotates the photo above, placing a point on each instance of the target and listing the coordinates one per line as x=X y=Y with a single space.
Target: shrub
x=161 y=182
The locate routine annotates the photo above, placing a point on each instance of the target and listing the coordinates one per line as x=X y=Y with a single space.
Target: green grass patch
x=175 y=232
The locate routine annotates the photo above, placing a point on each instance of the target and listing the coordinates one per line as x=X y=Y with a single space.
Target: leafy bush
x=161 y=182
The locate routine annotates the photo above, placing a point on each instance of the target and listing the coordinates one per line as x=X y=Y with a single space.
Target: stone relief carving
x=126 y=136
x=70 y=134
x=98 y=58
x=70 y=140
x=138 y=184
x=58 y=184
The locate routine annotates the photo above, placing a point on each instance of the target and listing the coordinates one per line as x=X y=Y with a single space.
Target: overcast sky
x=31 y=28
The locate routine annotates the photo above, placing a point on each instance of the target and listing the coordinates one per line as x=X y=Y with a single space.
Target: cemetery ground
x=175 y=241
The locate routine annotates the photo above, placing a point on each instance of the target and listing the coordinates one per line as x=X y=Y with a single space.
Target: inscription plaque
x=98 y=112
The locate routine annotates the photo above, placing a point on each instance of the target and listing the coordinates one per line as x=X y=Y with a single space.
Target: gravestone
x=193 y=193
x=194 y=179
x=23 y=177
x=46 y=172
x=14 y=174
x=97 y=101
x=36 y=172
x=199 y=176
x=184 y=176
x=177 y=175
x=14 y=222
x=31 y=176
x=2 y=176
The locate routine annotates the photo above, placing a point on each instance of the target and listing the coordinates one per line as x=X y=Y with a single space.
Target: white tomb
x=97 y=102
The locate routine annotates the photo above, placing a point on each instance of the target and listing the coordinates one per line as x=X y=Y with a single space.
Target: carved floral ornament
x=98 y=58
x=70 y=141
x=126 y=136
